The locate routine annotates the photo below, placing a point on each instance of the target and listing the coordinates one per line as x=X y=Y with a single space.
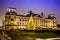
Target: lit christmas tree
x=31 y=24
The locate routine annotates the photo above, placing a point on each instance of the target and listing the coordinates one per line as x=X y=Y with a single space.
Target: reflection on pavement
x=48 y=39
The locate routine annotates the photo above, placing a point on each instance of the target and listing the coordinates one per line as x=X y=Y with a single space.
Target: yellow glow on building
x=29 y=21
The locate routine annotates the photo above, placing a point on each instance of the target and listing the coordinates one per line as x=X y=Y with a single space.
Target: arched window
x=12 y=19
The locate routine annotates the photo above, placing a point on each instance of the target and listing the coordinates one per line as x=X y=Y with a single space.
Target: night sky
x=37 y=6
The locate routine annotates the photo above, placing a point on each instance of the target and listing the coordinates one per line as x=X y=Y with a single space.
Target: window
x=5 y=19
x=20 y=19
x=8 y=17
x=17 y=23
x=23 y=20
x=12 y=19
x=20 y=23
x=5 y=16
x=11 y=23
x=22 y=27
x=23 y=23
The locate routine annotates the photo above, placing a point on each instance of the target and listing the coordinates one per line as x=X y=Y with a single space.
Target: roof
x=11 y=8
x=11 y=13
x=30 y=14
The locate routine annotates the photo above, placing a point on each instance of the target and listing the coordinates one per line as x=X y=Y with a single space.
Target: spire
x=42 y=14
x=30 y=12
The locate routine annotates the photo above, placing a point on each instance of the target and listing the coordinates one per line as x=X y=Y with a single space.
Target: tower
x=10 y=18
x=54 y=21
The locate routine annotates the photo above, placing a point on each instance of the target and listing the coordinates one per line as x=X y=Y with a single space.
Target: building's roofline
x=28 y=15
x=50 y=18
x=11 y=7
x=8 y=13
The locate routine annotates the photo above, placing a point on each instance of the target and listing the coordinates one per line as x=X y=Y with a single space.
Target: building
x=29 y=21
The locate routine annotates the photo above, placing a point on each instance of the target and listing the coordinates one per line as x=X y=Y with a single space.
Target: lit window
x=22 y=27
x=14 y=27
x=20 y=19
x=23 y=20
x=20 y=23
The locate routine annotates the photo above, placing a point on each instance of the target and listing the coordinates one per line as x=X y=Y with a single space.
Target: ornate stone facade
x=28 y=21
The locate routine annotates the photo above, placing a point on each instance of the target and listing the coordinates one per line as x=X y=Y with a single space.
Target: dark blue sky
x=37 y=6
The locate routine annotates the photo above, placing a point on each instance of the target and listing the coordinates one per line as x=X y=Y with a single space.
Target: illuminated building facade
x=29 y=21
